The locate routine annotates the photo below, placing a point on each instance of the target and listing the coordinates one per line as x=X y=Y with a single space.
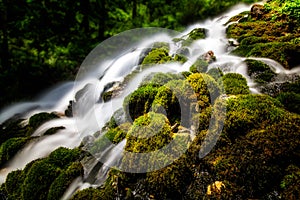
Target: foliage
x=235 y=84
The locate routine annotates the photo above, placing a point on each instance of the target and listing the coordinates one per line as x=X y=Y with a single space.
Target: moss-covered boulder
x=234 y=83
x=149 y=132
x=139 y=102
x=269 y=32
x=290 y=100
x=10 y=147
x=64 y=180
x=259 y=71
x=205 y=87
x=246 y=112
x=40 y=177
x=175 y=99
x=157 y=56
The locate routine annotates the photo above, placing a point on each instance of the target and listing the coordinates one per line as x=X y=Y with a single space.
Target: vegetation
x=235 y=84
x=256 y=154
x=270 y=31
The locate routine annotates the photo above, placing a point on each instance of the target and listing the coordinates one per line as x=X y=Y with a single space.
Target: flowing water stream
x=91 y=113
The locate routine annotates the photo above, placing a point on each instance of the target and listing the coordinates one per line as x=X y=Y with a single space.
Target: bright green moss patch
x=235 y=84
x=45 y=178
x=10 y=147
x=139 y=102
x=157 y=56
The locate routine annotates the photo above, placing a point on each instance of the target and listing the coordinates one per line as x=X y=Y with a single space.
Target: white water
x=91 y=114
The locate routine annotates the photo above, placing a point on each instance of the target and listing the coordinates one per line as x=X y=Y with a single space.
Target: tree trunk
x=134 y=8
x=103 y=17
x=85 y=9
x=5 y=51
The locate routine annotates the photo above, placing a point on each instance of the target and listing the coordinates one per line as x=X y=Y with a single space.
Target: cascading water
x=97 y=75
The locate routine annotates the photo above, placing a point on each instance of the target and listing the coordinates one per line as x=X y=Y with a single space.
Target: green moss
x=160 y=78
x=148 y=133
x=157 y=56
x=10 y=147
x=205 y=87
x=139 y=102
x=246 y=112
x=63 y=181
x=53 y=130
x=13 y=184
x=172 y=98
x=38 y=180
x=36 y=120
x=259 y=72
x=235 y=83
x=290 y=183
x=269 y=37
x=290 y=100
x=180 y=58
x=63 y=157
x=199 y=65
x=89 y=193
x=216 y=73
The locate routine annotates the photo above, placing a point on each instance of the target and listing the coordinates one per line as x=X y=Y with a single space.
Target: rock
x=257 y=11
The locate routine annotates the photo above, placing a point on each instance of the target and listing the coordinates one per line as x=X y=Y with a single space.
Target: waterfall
x=96 y=75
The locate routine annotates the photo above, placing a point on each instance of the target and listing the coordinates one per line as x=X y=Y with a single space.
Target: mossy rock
x=10 y=147
x=246 y=112
x=89 y=193
x=180 y=58
x=290 y=183
x=259 y=71
x=290 y=100
x=160 y=78
x=157 y=56
x=254 y=162
x=175 y=100
x=235 y=83
x=38 y=119
x=13 y=184
x=139 y=102
x=199 y=66
x=195 y=34
x=38 y=180
x=216 y=73
x=63 y=157
x=268 y=37
x=14 y=128
x=148 y=134
x=35 y=180
x=64 y=180
x=205 y=87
